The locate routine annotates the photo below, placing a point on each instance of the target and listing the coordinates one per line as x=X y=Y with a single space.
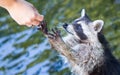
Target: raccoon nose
x=65 y=25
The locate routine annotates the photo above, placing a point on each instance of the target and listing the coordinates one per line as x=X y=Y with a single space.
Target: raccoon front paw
x=43 y=27
x=55 y=34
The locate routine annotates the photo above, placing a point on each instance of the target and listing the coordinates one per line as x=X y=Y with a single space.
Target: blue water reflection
x=12 y=66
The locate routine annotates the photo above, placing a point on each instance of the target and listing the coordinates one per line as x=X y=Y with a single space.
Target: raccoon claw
x=51 y=36
x=56 y=32
x=43 y=27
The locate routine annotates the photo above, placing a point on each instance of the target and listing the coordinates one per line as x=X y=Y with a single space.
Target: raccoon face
x=83 y=28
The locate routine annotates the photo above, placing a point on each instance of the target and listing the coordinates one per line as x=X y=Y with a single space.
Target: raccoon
x=84 y=46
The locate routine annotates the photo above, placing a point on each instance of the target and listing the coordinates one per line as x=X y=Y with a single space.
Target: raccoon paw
x=43 y=27
x=55 y=34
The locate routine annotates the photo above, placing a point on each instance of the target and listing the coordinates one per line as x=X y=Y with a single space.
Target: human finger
x=35 y=22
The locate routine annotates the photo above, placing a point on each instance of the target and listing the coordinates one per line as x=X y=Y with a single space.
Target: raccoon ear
x=98 y=24
x=83 y=13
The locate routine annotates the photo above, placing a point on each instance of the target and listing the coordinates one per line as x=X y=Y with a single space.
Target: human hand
x=25 y=13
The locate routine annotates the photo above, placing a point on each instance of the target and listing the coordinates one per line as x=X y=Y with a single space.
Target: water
x=13 y=65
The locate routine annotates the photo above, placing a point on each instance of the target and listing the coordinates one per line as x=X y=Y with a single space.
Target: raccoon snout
x=65 y=25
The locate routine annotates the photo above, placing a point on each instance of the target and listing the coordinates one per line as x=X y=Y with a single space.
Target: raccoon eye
x=78 y=27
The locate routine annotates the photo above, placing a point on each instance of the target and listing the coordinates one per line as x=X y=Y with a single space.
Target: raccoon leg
x=58 y=44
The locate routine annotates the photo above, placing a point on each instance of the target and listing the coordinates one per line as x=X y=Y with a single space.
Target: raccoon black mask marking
x=78 y=29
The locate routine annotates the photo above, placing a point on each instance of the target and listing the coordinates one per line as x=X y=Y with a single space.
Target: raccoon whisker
x=60 y=27
x=69 y=32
